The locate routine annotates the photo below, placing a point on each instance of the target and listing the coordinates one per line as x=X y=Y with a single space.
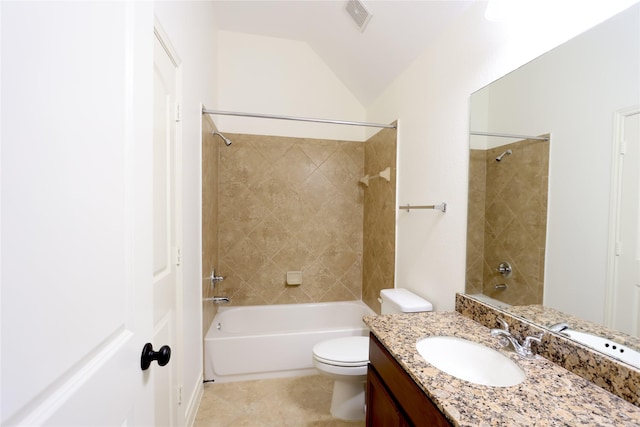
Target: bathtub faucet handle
x=215 y=279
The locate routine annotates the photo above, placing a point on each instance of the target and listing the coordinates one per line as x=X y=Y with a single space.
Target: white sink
x=470 y=361
x=606 y=346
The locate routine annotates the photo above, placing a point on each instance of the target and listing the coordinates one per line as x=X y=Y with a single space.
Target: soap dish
x=294 y=278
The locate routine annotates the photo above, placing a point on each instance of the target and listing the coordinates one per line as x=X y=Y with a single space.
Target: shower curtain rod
x=300 y=119
x=510 y=135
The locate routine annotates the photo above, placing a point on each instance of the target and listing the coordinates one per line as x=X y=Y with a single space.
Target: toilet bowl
x=345 y=359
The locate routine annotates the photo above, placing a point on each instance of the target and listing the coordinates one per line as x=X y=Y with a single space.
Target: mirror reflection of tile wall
x=475 y=221
x=507 y=221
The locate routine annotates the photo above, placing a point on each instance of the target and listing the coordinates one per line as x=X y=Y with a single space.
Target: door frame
x=619 y=118
x=177 y=353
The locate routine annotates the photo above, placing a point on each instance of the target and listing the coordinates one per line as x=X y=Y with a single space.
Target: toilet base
x=347 y=402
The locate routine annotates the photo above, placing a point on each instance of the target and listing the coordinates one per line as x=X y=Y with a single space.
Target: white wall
x=278 y=76
x=573 y=92
x=191 y=28
x=431 y=101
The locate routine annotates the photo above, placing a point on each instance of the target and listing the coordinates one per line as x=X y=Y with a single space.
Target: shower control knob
x=162 y=356
x=215 y=279
x=505 y=269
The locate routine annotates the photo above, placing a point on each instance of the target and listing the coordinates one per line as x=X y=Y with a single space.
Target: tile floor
x=284 y=402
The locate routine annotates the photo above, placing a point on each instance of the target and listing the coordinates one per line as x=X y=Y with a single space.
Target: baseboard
x=193 y=404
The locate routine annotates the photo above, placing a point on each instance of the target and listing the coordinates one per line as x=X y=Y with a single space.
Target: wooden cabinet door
x=381 y=409
x=411 y=404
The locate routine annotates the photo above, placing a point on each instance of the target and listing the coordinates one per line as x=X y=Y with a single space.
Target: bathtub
x=274 y=341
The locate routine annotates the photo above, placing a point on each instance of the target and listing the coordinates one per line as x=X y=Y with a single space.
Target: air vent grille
x=360 y=15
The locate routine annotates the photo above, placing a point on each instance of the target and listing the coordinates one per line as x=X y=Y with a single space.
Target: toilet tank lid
x=405 y=300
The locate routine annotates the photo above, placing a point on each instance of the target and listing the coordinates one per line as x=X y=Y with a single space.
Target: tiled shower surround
x=292 y=204
x=379 y=218
x=210 y=153
x=507 y=220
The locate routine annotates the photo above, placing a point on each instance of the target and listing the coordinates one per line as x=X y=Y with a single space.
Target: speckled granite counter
x=619 y=378
x=542 y=315
x=550 y=396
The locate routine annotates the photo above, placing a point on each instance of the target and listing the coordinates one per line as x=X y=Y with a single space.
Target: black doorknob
x=148 y=355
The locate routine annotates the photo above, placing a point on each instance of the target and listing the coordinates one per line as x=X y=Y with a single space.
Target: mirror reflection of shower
x=226 y=140
x=507 y=228
x=505 y=153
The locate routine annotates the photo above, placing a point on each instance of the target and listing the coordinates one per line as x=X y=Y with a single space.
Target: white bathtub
x=271 y=341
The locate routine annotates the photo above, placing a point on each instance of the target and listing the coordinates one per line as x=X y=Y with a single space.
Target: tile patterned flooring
x=284 y=402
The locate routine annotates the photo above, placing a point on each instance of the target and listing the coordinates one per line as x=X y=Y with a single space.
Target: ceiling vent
x=360 y=15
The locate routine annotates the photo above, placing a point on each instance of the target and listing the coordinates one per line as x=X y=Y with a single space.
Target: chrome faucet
x=505 y=269
x=523 y=349
x=218 y=299
x=215 y=279
x=559 y=327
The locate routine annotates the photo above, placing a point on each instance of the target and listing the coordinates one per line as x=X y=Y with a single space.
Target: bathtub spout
x=218 y=300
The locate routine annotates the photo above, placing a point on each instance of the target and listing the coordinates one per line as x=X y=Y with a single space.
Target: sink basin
x=470 y=361
x=606 y=346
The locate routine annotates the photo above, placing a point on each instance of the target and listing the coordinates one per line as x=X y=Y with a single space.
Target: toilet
x=345 y=359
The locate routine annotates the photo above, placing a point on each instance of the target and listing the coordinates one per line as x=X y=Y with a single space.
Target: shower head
x=226 y=140
x=506 y=153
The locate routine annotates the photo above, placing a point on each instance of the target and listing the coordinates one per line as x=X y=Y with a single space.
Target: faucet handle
x=503 y=323
x=533 y=338
x=505 y=269
x=498 y=332
x=214 y=279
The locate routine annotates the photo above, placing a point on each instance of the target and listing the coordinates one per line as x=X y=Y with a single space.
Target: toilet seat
x=346 y=351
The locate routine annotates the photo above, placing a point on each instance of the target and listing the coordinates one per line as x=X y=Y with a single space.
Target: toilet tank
x=402 y=301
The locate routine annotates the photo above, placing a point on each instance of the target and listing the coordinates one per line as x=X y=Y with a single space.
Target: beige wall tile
x=290 y=204
x=210 y=219
x=296 y=204
x=378 y=261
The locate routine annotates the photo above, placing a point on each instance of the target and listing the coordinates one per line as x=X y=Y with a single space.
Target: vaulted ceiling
x=365 y=61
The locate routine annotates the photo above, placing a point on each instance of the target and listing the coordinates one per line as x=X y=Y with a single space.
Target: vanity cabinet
x=393 y=398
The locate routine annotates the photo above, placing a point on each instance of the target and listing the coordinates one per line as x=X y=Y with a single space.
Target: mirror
x=507 y=220
x=585 y=94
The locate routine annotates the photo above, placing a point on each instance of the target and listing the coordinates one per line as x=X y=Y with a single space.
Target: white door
x=623 y=312
x=166 y=252
x=76 y=213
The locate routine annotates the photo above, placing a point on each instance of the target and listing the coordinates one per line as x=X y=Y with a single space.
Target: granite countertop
x=542 y=315
x=549 y=396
